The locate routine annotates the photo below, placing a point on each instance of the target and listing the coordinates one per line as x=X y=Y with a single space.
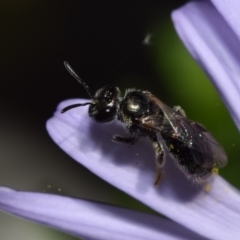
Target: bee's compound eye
x=102 y=115
x=107 y=93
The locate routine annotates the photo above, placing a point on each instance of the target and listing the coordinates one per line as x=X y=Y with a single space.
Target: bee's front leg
x=128 y=140
x=159 y=158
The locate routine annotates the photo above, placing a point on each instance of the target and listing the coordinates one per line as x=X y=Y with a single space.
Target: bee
x=194 y=149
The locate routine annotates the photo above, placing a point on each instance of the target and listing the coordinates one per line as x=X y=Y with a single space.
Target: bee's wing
x=202 y=141
x=198 y=139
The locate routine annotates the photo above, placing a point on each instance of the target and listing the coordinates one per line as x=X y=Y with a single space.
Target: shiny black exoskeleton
x=194 y=149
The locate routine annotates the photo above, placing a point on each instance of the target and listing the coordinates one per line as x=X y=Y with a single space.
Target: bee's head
x=105 y=102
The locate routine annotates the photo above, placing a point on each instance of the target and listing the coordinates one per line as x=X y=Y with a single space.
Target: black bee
x=194 y=149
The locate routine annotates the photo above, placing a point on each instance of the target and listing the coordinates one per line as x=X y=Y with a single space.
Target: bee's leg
x=159 y=158
x=179 y=110
x=128 y=140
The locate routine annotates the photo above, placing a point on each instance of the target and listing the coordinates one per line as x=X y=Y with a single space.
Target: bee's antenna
x=74 y=105
x=74 y=74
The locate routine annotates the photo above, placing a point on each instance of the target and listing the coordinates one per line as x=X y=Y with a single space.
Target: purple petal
x=211 y=34
x=229 y=9
x=90 y=220
x=213 y=213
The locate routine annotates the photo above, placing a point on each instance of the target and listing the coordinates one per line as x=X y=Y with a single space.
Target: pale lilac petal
x=229 y=9
x=90 y=220
x=211 y=34
x=213 y=213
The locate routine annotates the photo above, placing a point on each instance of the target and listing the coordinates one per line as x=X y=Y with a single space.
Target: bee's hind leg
x=159 y=158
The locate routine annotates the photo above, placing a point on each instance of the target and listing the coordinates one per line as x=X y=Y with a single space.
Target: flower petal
x=90 y=220
x=132 y=168
x=212 y=37
x=229 y=9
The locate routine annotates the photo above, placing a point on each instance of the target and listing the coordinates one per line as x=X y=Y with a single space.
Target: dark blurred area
x=37 y=36
x=102 y=41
